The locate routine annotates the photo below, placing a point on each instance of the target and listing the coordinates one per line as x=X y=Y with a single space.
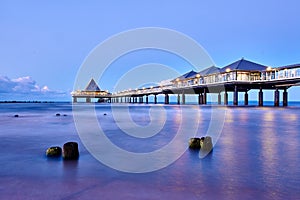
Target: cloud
x=28 y=89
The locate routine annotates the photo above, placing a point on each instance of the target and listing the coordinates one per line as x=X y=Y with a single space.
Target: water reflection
x=256 y=157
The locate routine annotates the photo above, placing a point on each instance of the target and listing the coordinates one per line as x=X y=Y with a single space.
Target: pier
x=92 y=90
x=238 y=77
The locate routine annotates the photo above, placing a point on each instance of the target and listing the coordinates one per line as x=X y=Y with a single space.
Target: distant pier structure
x=238 y=77
x=92 y=90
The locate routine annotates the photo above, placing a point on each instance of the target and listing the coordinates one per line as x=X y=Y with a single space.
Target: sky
x=44 y=43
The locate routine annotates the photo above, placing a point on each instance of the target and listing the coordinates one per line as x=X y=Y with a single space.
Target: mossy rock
x=206 y=144
x=53 y=152
x=194 y=143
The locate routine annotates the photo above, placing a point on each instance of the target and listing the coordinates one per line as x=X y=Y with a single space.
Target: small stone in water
x=53 y=152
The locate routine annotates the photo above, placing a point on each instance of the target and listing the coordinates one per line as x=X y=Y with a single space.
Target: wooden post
x=199 y=98
x=155 y=99
x=178 y=99
x=147 y=100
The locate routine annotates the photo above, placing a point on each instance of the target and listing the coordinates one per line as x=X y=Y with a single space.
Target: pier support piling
x=219 y=98
x=155 y=99
x=225 y=98
x=260 y=97
x=276 y=98
x=204 y=96
x=183 y=98
x=88 y=100
x=74 y=99
x=199 y=98
x=235 y=96
x=166 y=99
x=285 y=97
x=246 y=99
x=147 y=99
x=178 y=99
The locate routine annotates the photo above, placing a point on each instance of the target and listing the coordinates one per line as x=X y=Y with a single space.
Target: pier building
x=92 y=90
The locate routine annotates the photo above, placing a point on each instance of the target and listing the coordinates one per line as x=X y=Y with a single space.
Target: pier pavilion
x=92 y=90
x=240 y=76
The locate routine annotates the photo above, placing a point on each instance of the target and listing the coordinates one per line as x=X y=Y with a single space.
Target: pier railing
x=270 y=75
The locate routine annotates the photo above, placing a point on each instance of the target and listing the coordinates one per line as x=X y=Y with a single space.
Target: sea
x=140 y=151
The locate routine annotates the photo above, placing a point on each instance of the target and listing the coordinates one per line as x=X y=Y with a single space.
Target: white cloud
x=26 y=87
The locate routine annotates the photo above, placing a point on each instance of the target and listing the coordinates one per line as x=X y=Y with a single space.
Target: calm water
x=256 y=157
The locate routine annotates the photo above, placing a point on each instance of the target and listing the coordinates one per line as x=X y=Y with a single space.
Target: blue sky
x=44 y=43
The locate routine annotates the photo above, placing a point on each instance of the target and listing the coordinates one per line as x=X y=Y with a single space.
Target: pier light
x=228 y=70
x=151 y=87
x=177 y=79
x=198 y=75
x=269 y=68
x=143 y=88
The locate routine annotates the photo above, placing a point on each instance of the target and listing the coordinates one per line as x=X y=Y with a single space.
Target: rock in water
x=70 y=151
x=57 y=114
x=194 y=143
x=16 y=115
x=53 y=152
x=206 y=144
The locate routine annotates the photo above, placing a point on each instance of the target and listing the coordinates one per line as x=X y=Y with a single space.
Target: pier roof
x=244 y=65
x=187 y=75
x=289 y=66
x=210 y=70
x=92 y=86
